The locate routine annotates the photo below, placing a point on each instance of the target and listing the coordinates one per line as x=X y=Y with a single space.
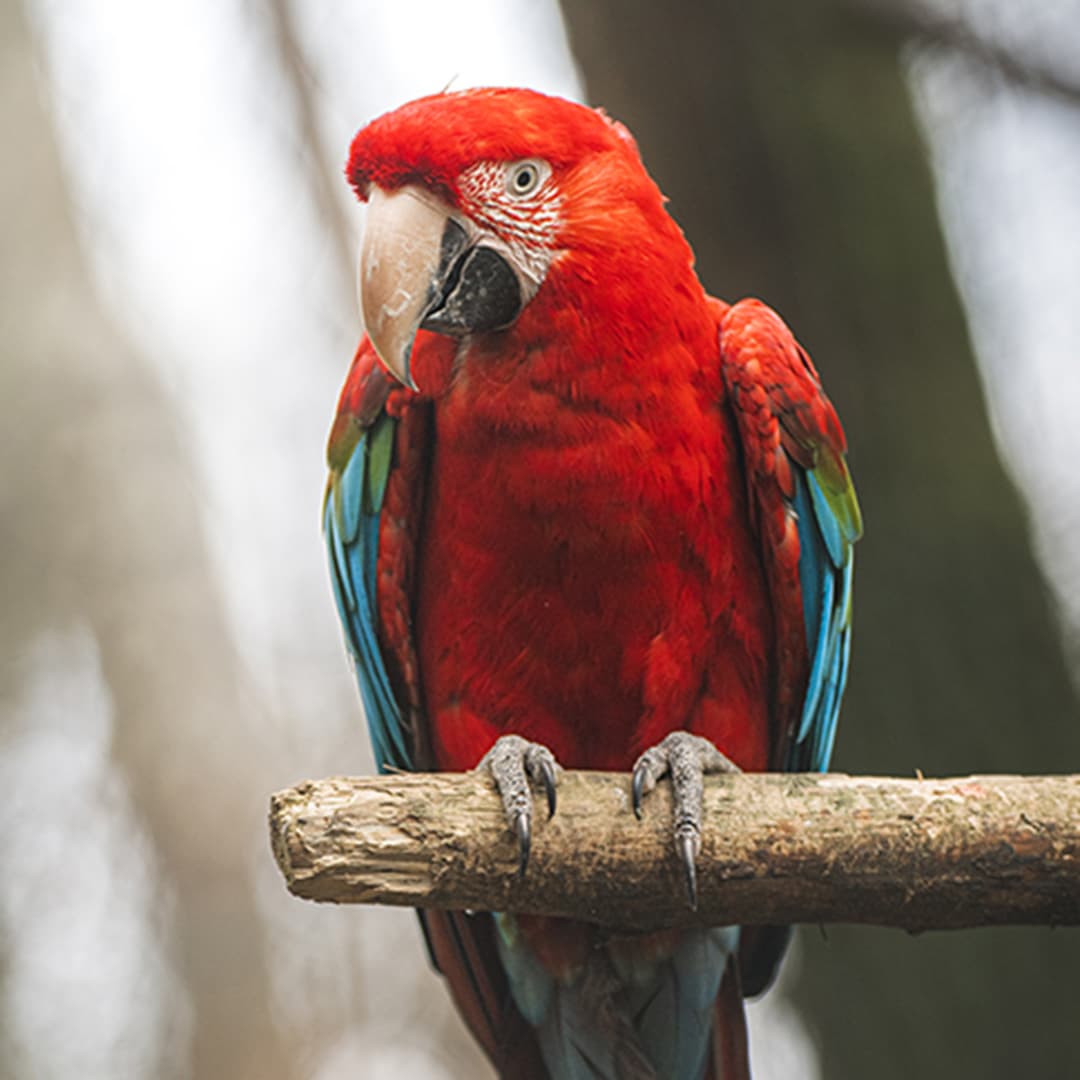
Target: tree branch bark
x=914 y=854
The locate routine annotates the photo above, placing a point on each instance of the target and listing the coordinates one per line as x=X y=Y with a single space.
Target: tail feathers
x=586 y=1036
x=635 y=1008
x=731 y=1054
x=641 y=1007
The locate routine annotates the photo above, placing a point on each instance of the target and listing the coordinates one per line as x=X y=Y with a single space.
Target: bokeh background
x=900 y=178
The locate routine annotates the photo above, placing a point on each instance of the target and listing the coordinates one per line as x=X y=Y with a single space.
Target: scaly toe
x=514 y=763
x=687 y=759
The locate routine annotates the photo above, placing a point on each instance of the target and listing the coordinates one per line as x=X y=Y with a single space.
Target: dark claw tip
x=636 y=789
x=524 y=835
x=549 y=787
x=689 y=861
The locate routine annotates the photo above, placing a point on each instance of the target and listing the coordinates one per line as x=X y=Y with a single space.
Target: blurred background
x=900 y=179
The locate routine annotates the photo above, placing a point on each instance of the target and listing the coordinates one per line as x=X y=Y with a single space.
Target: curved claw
x=547 y=774
x=523 y=829
x=686 y=758
x=648 y=768
x=637 y=789
x=514 y=764
x=687 y=846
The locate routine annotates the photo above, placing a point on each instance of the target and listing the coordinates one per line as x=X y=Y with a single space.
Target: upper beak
x=422 y=265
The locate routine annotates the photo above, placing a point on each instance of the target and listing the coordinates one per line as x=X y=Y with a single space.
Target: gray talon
x=515 y=764
x=686 y=759
x=647 y=770
x=523 y=829
x=637 y=790
x=688 y=844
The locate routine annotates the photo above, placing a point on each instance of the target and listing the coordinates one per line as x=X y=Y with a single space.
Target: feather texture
x=351 y=509
x=781 y=409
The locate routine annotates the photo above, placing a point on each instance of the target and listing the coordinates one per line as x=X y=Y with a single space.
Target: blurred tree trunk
x=784 y=136
x=101 y=527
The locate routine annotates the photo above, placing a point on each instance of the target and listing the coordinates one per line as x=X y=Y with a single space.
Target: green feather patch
x=380 y=450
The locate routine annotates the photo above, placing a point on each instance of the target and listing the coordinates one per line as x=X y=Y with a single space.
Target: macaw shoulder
x=766 y=369
x=753 y=334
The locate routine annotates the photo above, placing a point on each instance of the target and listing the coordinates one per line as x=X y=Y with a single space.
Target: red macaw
x=579 y=514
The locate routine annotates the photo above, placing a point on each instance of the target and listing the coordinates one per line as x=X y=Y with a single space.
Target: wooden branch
x=915 y=854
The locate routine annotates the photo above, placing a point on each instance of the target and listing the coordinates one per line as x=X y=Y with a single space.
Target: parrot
x=579 y=515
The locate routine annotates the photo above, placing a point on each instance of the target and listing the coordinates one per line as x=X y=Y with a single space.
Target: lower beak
x=421 y=266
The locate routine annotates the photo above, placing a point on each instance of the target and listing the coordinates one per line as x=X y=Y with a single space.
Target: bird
x=580 y=515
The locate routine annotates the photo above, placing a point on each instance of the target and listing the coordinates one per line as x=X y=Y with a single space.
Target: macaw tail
x=557 y=1000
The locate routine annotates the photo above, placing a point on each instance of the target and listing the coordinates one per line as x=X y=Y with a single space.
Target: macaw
x=579 y=515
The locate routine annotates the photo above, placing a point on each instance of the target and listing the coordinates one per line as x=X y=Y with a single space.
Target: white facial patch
x=528 y=224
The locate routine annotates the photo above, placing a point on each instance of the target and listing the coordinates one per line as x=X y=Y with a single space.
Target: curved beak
x=423 y=266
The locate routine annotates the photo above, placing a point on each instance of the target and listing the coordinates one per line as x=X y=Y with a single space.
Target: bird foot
x=687 y=759
x=514 y=763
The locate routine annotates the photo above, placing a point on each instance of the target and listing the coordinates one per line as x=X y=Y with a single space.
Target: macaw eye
x=524 y=177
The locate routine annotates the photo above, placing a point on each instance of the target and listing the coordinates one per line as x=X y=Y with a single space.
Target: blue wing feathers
x=823 y=744
x=827 y=522
x=819 y=581
x=347 y=609
x=347 y=494
x=339 y=576
x=351 y=524
x=824 y=737
x=825 y=575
